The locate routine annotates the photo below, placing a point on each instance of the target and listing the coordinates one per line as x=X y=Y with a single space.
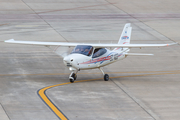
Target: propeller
x=59 y=50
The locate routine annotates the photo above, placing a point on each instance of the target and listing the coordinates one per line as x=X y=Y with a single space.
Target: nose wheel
x=72 y=77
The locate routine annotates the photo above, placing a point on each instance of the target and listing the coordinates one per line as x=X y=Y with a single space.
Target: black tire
x=71 y=80
x=106 y=77
x=74 y=76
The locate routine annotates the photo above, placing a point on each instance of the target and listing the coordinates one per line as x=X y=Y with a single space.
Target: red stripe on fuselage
x=97 y=60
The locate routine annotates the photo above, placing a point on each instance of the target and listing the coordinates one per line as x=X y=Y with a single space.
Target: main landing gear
x=106 y=76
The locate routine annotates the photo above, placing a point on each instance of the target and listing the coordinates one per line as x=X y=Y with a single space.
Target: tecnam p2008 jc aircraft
x=91 y=56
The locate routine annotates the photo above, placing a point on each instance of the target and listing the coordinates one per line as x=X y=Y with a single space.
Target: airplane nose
x=69 y=61
x=66 y=60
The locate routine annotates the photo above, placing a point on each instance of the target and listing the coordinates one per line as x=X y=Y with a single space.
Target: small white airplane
x=91 y=56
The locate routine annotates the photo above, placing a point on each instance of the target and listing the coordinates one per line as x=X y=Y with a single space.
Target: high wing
x=69 y=44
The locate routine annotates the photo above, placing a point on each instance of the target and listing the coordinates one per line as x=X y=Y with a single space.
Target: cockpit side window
x=98 y=52
x=83 y=49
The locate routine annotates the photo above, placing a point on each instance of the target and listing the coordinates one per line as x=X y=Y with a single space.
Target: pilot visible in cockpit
x=77 y=50
x=86 y=51
x=82 y=50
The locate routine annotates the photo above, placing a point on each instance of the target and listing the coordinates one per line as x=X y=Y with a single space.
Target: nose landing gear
x=73 y=75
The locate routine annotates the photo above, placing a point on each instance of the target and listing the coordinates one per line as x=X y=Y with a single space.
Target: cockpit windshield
x=83 y=49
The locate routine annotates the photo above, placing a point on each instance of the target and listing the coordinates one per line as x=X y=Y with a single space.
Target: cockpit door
x=99 y=52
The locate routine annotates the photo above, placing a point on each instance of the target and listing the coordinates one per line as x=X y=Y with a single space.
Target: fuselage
x=82 y=62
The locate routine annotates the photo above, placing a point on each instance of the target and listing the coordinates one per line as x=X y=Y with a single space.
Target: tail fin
x=126 y=34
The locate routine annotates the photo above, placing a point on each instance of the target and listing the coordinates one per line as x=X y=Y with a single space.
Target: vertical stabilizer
x=126 y=34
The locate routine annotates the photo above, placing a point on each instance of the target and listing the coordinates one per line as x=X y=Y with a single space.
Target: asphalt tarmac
x=34 y=82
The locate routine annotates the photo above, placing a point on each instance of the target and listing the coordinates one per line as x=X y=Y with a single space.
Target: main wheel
x=106 y=77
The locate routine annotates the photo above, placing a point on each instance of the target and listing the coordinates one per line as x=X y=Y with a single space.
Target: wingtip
x=10 y=40
x=172 y=44
x=175 y=43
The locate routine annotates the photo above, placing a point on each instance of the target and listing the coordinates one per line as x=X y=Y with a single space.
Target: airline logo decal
x=125 y=38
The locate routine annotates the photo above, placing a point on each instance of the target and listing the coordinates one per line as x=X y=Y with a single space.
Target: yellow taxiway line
x=44 y=97
x=59 y=114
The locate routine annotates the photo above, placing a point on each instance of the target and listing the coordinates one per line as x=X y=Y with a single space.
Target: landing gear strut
x=106 y=76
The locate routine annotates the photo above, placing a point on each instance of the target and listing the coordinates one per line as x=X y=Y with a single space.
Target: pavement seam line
x=5 y=111
x=137 y=101
x=44 y=21
x=142 y=22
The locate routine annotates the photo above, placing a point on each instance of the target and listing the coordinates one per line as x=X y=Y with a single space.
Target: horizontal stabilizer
x=139 y=54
